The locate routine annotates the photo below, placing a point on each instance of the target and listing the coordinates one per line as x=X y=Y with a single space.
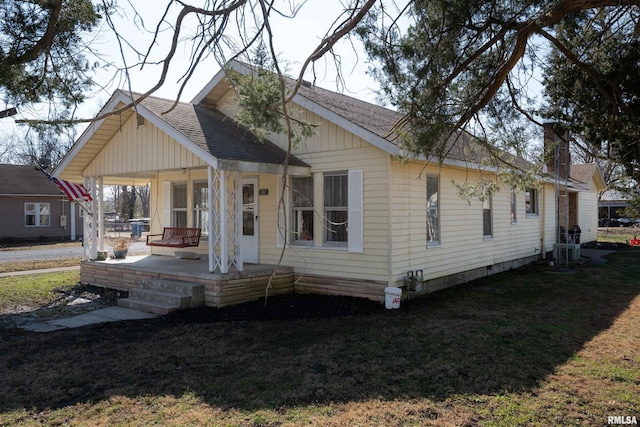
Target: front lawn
x=21 y=293
x=528 y=347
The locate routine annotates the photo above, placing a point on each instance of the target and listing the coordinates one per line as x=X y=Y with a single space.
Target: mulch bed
x=610 y=246
x=291 y=306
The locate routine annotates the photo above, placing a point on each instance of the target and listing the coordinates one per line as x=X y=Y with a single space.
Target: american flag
x=75 y=192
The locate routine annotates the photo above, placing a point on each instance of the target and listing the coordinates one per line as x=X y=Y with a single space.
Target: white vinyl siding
x=166 y=204
x=366 y=254
x=355 y=215
x=332 y=148
x=462 y=245
x=281 y=226
x=132 y=149
x=588 y=213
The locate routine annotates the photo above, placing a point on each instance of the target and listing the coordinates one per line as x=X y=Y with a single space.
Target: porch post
x=86 y=225
x=72 y=220
x=213 y=232
x=90 y=232
x=100 y=213
x=224 y=249
x=237 y=253
x=225 y=219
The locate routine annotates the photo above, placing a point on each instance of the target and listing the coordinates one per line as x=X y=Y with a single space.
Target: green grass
x=33 y=290
x=527 y=347
x=7 y=267
x=617 y=235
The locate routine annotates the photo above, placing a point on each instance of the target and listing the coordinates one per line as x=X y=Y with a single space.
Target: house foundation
x=327 y=285
x=219 y=289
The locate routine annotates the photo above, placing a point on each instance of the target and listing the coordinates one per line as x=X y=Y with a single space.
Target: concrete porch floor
x=220 y=289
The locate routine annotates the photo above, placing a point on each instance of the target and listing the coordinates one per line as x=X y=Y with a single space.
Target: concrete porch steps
x=161 y=296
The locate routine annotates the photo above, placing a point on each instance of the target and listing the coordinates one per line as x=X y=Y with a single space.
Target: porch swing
x=175 y=237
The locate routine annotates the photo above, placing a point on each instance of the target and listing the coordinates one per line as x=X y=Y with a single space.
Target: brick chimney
x=557 y=153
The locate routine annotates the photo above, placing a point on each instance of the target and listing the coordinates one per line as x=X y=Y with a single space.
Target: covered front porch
x=220 y=204
x=205 y=171
x=221 y=289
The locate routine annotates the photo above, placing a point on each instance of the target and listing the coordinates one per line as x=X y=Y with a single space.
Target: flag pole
x=53 y=180
x=81 y=204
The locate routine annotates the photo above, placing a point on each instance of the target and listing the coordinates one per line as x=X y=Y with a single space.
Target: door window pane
x=248 y=208
x=248 y=228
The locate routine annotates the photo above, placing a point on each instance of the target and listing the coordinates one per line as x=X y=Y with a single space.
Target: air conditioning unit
x=564 y=251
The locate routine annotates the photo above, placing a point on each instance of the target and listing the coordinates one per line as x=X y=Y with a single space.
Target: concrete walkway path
x=597 y=256
x=109 y=314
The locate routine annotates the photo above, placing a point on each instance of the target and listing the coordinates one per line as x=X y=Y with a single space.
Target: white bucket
x=392 y=297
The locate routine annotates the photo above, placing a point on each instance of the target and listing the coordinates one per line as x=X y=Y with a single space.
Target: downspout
x=389 y=228
x=543 y=221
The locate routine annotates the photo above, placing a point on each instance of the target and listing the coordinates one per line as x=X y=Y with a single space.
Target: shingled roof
x=583 y=173
x=380 y=121
x=25 y=180
x=216 y=133
x=374 y=118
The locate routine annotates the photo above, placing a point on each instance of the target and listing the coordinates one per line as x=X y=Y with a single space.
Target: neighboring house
x=586 y=183
x=33 y=208
x=612 y=204
x=354 y=219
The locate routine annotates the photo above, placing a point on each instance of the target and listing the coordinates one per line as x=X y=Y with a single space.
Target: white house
x=353 y=221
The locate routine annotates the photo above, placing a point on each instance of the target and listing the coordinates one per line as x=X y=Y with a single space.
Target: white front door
x=249 y=240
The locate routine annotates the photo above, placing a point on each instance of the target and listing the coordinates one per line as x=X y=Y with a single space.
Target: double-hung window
x=200 y=207
x=302 y=210
x=433 y=210
x=531 y=202
x=179 y=205
x=37 y=214
x=327 y=211
x=487 y=226
x=336 y=207
x=514 y=206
